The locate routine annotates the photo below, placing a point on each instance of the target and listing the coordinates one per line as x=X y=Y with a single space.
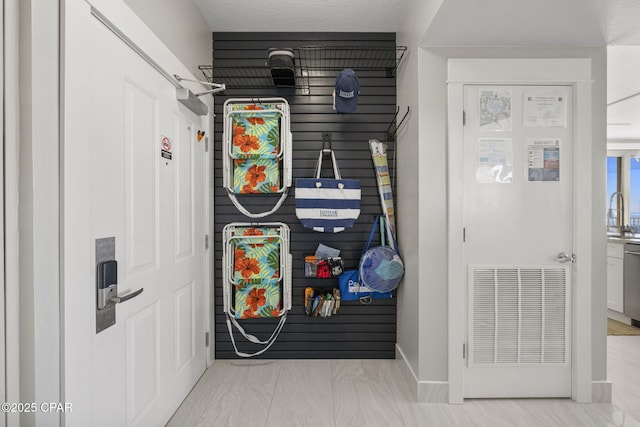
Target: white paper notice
x=545 y=109
x=495 y=160
x=543 y=159
x=495 y=109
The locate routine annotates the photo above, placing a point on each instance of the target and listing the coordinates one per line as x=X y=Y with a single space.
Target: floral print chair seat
x=256 y=277
x=256 y=265
x=257 y=150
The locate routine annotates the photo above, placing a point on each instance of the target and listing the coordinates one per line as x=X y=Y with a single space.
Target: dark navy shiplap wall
x=358 y=331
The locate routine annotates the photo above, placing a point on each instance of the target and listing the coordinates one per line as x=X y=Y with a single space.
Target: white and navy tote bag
x=327 y=205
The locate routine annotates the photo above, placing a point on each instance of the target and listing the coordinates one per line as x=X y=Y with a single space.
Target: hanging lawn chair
x=256 y=146
x=256 y=275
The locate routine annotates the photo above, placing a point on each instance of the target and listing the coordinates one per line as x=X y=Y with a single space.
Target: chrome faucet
x=623 y=228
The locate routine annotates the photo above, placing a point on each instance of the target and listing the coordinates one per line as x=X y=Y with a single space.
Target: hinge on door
x=464 y=234
x=206 y=241
x=464 y=118
x=206 y=144
x=464 y=351
x=206 y=339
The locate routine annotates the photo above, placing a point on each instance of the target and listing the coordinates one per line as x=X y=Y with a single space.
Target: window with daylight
x=614 y=203
x=623 y=193
x=633 y=204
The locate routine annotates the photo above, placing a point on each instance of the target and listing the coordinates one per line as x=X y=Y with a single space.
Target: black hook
x=403 y=119
x=326 y=141
x=395 y=116
x=392 y=135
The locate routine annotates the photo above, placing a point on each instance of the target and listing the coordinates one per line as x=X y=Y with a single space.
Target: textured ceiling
x=457 y=22
x=303 y=15
x=472 y=23
x=623 y=76
x=518 y=23
x=623 y=92
x=622 y=17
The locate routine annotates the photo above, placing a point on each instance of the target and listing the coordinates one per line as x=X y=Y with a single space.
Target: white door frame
x=3 y=366
x=209 y=249
x=571 y=72
x=11 y=365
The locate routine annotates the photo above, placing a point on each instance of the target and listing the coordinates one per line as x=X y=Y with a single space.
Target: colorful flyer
x=543 y=159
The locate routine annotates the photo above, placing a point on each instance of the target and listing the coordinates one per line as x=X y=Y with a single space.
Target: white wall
x=599 y=242
x=623 y=144
x=181 y=27
x=38 y=209
x=422 y=301
x=419 y=187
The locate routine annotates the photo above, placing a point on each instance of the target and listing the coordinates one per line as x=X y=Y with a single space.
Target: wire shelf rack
x=312 y=60
x=252 y=77
x=360 y=58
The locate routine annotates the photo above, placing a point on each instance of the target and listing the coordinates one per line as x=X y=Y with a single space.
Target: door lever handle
x=126 y=297
x=565 y=257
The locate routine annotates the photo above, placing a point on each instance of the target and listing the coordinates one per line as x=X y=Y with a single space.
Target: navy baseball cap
x=345 y=94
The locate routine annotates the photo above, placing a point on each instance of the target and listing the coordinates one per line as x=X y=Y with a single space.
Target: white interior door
x=518 y=219
x=120 y=115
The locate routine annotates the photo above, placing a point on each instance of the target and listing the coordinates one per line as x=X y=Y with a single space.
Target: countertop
x=631 y=238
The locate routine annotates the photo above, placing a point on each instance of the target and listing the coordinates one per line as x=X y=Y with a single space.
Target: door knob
x=565 y=257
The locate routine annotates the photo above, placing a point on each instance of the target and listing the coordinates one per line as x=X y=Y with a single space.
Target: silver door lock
x=107 y=286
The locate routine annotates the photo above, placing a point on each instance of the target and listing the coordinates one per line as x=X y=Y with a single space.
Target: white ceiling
x=622 y=22
x=517 y=23
x=472 y=23
x=303 y=15
x=623 y=92
x=623 y=70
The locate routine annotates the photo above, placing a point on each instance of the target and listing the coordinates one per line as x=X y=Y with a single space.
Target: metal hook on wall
x=326 y=141
x=391 y=136
x=405 y=117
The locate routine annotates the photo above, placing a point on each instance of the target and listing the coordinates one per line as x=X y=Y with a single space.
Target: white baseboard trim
x=601 y=391
x=612 y=314
x=438 y=391
x=424 y=391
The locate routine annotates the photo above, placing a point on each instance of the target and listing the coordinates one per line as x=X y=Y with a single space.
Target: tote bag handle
x=373 y=231
x=336 y=171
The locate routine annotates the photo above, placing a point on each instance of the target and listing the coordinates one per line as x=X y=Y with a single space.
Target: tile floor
x=374 y=393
